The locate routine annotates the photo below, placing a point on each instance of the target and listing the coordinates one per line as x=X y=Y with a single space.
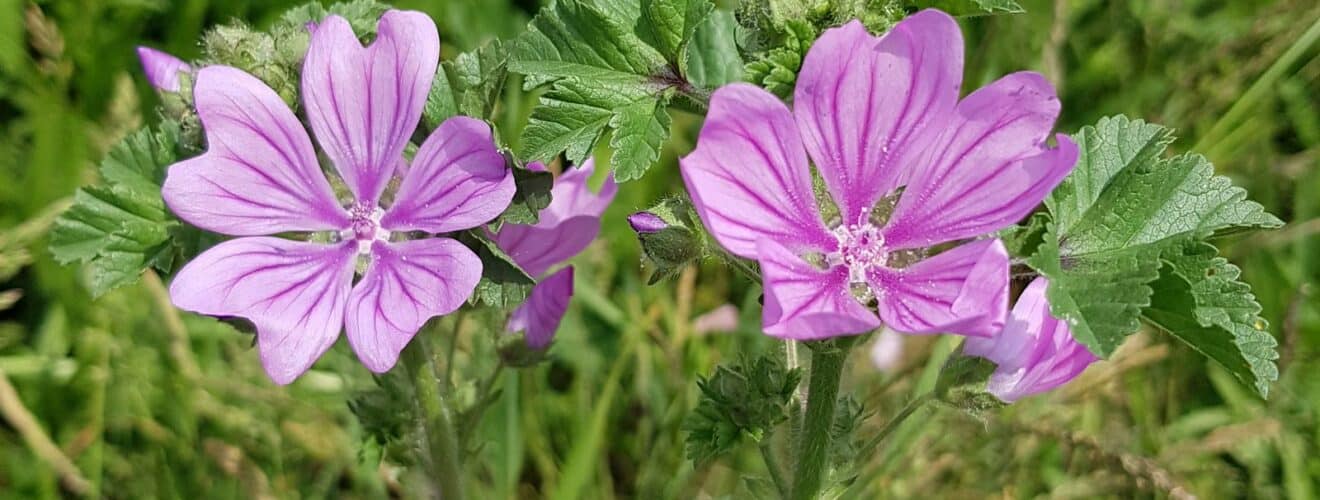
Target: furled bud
x=162 y=69
x=670 y=240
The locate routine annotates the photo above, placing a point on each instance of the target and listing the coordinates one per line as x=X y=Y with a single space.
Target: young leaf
x=122 y=228
x=1124 y=205
x=1199 y=300
x=744 y=400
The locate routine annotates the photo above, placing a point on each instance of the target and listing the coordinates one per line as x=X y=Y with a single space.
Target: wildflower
x=881 y=119
x=162 y=69
x=1035 y=351
x=260 y=176
x=565 y=228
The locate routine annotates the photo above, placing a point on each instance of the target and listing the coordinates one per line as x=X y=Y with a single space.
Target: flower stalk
x=440 y=450
x=827 y=361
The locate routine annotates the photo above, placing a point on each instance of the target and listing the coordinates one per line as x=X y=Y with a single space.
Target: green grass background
x=146 y=402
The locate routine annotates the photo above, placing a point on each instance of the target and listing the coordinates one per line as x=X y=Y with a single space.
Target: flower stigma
x=861 y=248
x=365 y=226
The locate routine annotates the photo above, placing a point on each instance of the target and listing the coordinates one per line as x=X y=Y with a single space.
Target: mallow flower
x=1035 y=352
x=260 y=176
x=565 y=228
x=162 y=69
x=910 y=167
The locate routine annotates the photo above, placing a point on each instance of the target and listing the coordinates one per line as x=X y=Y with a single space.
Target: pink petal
x=572 y=196
x=407 y=283
x=294 y=292
x=1035 y=351
x=992 y=169
x=364 y=103
x=566 y=227
x=259 y=174
x=458 y=180
x=748 y=176
x=868 y=106
x=804 y=302
x=539 y=317
x=536 y=249
x=963 y=290
x=161 y=68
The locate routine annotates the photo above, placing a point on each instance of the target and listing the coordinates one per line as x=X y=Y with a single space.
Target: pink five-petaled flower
x=876 y=115
x=565 y=228
x=260 y=176
x=1035 y=351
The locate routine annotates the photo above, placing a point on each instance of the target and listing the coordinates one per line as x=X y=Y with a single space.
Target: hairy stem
x=441 y=445
x=822 y=393
x=772 y=466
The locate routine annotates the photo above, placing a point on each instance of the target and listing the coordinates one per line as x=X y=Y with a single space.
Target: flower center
x=861 y=247
x=365 y=226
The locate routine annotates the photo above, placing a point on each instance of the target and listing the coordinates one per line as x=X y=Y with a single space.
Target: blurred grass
x=147 y=403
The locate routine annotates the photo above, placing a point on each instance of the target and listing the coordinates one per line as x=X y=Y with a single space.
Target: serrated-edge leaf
x=1101 y=295
x=640 y=130
x=1200 y=301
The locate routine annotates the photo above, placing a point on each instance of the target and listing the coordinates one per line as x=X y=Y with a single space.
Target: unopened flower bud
x=668 y=237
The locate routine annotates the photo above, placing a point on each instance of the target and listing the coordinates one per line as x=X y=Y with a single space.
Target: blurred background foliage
x=124 y=397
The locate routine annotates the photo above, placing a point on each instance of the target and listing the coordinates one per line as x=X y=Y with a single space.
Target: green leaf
x=121 y=228
x=468 y=85
x=969 y=8
x=669 y=25
x=532 y=196
x=603 y=73
x=1122 y=207
x=640 y=130
x=503 y=283
x=744 y=400
x=776 y=69
x=712 y=58
x=1199 y=299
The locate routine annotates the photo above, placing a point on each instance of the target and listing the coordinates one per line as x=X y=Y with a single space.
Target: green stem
x=772 y=465
x=441 y=443
x=822 y=393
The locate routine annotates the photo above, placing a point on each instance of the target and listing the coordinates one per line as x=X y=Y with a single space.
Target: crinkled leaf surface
x=608 y=65
x=122 y=227
x=1123 y=206
x=1200 y=300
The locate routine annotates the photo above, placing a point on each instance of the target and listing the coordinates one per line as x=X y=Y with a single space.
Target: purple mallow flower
x=1035 y=351
x=565 y=228
x=162 y=69
x=260 y=176
x=875 y=115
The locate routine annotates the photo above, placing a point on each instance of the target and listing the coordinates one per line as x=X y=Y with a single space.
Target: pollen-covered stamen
x=861 y=247
x=365 y=226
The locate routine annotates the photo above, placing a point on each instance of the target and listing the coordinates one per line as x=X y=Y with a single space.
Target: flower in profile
x=162 y=69
x=565 y=227
x=1035 y=352
x=880 y=119
x=260 y=176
